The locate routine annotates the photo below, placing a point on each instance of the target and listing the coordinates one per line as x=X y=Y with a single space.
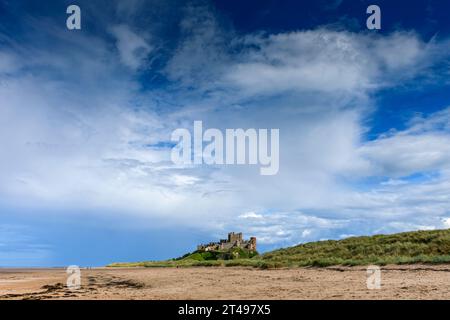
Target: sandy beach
x=398 y=282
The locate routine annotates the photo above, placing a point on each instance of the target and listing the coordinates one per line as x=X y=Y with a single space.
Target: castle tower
x=252 y=243
x=233 y=237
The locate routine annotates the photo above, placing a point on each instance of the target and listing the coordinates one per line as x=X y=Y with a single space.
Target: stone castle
x=234 y=240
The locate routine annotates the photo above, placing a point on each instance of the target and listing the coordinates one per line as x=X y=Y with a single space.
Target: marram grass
x=432 y=247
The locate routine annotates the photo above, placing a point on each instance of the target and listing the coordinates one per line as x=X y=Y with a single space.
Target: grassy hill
x=402 y=248
x=234 y=253
x=198 y=258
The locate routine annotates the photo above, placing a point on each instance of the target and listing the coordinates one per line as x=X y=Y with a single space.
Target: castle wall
x=234 y=240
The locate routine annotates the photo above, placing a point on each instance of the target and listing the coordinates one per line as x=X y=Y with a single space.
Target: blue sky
x=86 y=118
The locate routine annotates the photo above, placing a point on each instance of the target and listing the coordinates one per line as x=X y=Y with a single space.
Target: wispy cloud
x=133 y=49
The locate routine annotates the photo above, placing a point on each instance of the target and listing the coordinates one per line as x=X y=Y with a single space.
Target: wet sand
x=397 y=282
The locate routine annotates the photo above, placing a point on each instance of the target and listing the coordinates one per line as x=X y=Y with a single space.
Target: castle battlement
x=234 y=240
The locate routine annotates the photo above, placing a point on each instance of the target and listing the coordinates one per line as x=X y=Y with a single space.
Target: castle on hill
x=235 y=240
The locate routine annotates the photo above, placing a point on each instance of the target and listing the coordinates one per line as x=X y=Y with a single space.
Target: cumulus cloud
x=423 y=147
x=85 y=137
x=320 y=83
x=446 y=222
x=287 y=227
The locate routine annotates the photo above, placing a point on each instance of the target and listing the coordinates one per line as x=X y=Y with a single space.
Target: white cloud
x=446 y=222
x=287 y=227
x=182 y=180
x=306 y=233
x=321 y=60
x=250 y=215
x=202 y=57
x=134 y=50
x=87 y=144
x=423 y=147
